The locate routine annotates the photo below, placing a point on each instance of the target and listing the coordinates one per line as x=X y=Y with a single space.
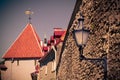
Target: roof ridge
x=36 y=37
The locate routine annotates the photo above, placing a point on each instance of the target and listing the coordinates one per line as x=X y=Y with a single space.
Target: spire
x=29 y=13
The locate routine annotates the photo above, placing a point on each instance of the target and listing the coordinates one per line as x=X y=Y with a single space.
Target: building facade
x=22 y=57
x=30 y=58
x=51 y=49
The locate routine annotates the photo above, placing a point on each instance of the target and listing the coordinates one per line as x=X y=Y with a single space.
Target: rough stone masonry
x=102 y=18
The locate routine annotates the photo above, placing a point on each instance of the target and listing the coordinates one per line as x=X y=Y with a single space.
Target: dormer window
x=17 y=62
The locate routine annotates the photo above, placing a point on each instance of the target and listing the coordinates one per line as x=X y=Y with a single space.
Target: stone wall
x=102 y=18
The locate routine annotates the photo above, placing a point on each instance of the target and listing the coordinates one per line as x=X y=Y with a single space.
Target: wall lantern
x=81 y=37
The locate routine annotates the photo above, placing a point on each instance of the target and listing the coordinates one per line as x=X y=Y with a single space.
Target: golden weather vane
x=29 y=13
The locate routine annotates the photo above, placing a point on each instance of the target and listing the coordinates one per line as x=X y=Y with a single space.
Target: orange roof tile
x=63 y=36
x=58 y=32
x=27 y=45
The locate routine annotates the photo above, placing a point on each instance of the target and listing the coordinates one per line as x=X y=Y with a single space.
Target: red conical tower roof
x=27 y=45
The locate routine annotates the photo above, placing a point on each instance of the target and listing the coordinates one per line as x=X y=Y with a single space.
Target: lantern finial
x=29 y=13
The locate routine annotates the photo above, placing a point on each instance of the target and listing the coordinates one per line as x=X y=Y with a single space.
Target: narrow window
x=17 y=62
x=35 y=62
x=12 y=61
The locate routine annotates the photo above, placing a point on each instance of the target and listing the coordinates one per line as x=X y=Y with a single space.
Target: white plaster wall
x=19 y=72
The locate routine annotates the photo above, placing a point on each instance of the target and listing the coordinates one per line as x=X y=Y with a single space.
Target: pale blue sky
x=48 y=14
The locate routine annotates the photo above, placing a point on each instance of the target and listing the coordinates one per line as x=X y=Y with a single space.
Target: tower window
x=17 y=62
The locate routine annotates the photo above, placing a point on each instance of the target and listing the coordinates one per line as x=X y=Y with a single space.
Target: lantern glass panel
x=81 y=36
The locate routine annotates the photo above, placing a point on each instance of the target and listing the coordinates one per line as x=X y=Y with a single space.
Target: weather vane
x=29 y=13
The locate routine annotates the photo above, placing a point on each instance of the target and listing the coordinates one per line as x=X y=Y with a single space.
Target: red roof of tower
x=58 y=32
x=27 y=45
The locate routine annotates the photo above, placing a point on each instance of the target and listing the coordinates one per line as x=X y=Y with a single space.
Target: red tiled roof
x=27 y=45
x=58 y=32
x=63 y=36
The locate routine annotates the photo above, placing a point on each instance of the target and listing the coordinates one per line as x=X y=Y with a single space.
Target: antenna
x=29 y=13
